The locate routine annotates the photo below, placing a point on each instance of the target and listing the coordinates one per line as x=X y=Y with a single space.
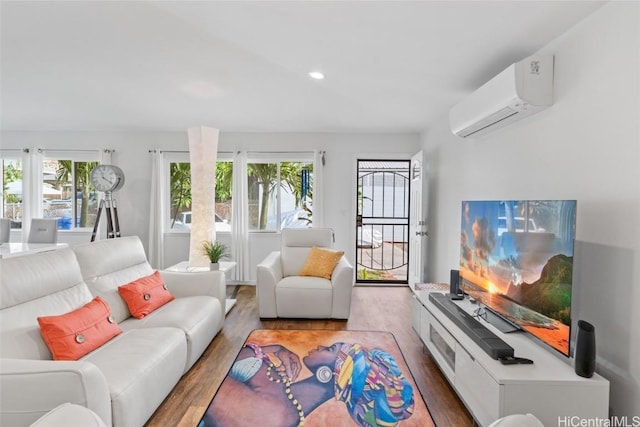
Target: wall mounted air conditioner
x=523 y=89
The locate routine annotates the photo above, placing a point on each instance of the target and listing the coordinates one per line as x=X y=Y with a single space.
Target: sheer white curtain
x=318 y=189
x=157 y=202
x=240 y=218
x=31 y=188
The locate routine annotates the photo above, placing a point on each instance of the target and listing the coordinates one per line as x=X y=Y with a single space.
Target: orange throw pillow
x=145 y=295
x=321 y=262
x=72 y=335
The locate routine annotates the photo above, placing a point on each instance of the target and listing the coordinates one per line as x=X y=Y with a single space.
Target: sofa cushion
x=26 y=278
x=296 y=245
x=121 y=261
x=141 y=367
x=41 y=284
x=198 y=317
x=145 y=294
x=72 y=335
x=304 y=297
x=293 y=259
x=321 y=262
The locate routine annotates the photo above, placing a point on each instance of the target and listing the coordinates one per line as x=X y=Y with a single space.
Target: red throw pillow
x=145 y=295
x=72 y=335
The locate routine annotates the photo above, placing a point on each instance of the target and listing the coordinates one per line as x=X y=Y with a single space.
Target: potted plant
x=214 y=251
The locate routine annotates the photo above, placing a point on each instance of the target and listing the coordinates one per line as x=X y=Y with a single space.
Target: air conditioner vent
x=491 y=120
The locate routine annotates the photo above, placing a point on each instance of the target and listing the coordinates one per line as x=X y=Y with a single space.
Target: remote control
x=512 y=360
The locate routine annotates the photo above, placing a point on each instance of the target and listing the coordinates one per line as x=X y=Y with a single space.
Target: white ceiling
x=391 y=66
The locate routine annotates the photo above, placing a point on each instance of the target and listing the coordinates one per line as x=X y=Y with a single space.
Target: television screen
x=516 y=258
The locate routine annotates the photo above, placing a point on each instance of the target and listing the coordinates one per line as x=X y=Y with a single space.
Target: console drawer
x=477 y=388
x=441 y=344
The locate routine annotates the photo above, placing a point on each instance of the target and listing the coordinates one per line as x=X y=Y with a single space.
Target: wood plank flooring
x=372 y=308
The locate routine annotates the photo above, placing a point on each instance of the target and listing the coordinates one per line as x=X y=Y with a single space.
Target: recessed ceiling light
x=316 y=75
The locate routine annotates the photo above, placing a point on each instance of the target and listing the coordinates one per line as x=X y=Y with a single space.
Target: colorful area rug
x=318 y=378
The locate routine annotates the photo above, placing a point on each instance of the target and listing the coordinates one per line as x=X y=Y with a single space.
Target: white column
x=203 y=153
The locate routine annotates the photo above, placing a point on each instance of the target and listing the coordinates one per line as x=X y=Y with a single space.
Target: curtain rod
x=282 y=152
x=168 y=151
x=54 y=150
x=250 y=152
x=183 y=151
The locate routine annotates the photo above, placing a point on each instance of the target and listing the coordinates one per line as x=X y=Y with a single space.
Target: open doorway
x=382 y=221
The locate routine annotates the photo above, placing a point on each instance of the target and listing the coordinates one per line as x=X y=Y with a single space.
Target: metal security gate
x=382 y=221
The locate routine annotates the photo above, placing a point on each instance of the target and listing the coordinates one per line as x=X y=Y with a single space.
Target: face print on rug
x=291 y=378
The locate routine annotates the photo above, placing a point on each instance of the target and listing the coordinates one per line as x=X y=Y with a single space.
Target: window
x=11 y=202
x=67 y=193
x=51 y=183
x=280 y=194
x=180 y=195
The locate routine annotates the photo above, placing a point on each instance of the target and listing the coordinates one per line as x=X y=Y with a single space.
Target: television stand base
x=548 y=388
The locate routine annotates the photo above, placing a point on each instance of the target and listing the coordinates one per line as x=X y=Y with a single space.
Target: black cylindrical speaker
x=585 y=350
x=454 y=282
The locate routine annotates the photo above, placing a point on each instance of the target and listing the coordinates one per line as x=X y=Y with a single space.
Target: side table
x=225 y=266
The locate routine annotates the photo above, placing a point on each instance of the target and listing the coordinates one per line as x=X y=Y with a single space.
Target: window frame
x=181 y=157
x=279 y=158
x=75 y=156
x=252 y=157
x=17 y=156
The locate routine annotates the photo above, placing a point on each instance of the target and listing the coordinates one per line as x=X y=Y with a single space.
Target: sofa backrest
x=297 y=244
x=42 y=284
x=107 y=264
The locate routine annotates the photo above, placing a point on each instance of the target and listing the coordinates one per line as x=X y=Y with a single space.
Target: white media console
x=549 y=388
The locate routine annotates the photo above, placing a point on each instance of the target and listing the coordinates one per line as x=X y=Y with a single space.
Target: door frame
x=404 y=221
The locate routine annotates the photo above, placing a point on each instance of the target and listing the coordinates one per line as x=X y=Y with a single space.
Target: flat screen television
x=516 y=259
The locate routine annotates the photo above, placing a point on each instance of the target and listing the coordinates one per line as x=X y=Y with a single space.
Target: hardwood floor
x=372 y=308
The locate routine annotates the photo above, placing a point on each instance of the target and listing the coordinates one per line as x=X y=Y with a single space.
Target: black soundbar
x=486 y=340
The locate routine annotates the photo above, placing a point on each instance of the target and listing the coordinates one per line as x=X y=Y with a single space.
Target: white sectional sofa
x=126 y=379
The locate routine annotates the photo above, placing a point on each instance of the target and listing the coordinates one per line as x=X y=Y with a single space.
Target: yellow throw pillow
x=321 y=262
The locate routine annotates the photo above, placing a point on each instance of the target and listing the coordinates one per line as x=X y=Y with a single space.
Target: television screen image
x=516 y=258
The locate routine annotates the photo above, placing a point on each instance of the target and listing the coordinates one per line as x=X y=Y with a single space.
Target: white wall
x=585 y=147
x=132 y=155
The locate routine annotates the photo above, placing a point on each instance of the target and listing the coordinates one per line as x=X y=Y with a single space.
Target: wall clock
x=107 y=178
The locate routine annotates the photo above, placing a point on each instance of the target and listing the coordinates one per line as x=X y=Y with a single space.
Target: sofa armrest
x=269 y=273
x=342 y=280
x=31 y=388
x=70 y=415
x=186 y=284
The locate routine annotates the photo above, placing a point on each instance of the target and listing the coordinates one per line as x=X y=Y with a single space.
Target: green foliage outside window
x=180 y=186
x=11 y=174
x=263 y=182
x=180 y=182
x=82 y=183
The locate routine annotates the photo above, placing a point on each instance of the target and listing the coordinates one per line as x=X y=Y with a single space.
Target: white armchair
x=283 y=293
